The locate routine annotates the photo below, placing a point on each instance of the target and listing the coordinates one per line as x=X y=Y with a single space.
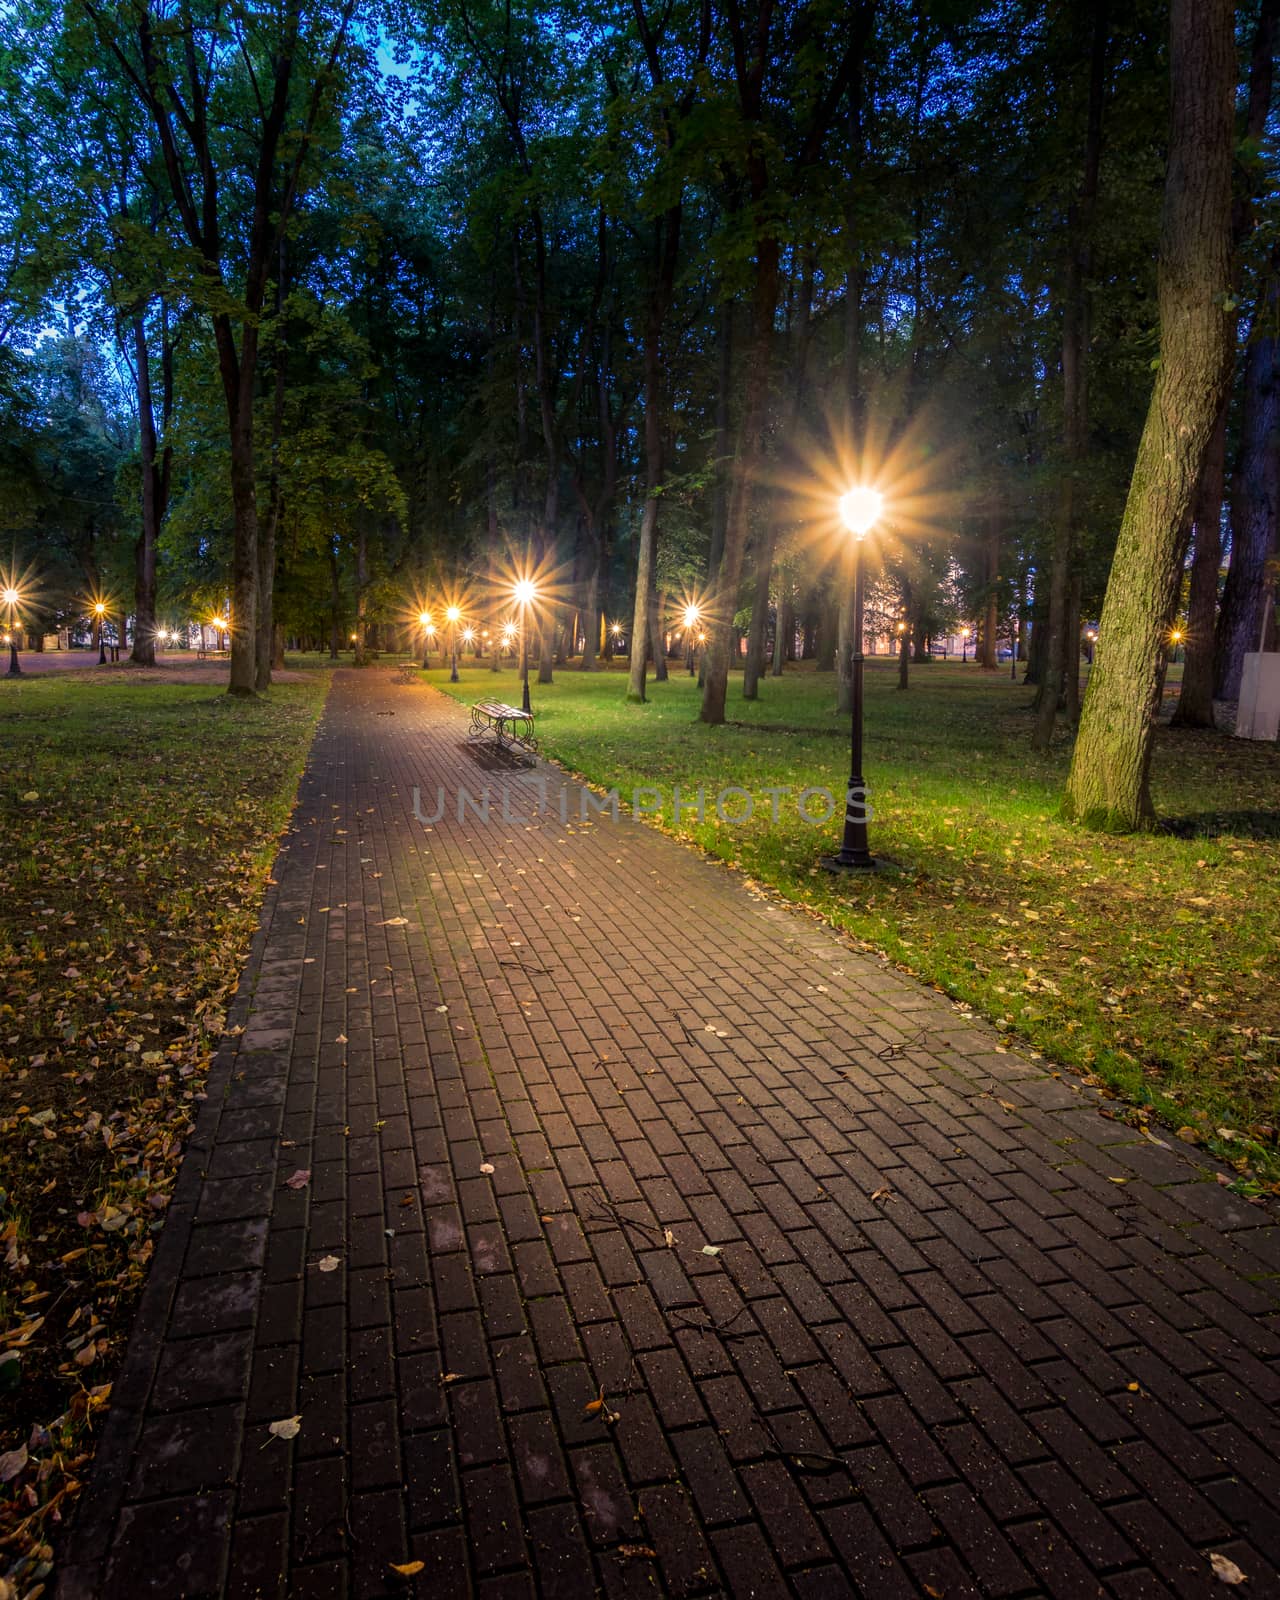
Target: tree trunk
x=753 y=667
x=1108 y=786
x=1071 y=654
x=1195 y=703
x=1075 y=395
x=271 y=523
x=644 y=588
x=144 y=586
x=591 y=610
x=657 y=619
x=986 y=650
x=1253 y=496
x=828 y=630
x=667 y=250
x=745 y=471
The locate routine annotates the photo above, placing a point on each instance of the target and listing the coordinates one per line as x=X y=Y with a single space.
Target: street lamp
x=12 y=600
x=453 y=616
x=100 y=613
x=1175 y=639
x=428 y=631
x=525 y=592
x=860 y=510
x=964 y=645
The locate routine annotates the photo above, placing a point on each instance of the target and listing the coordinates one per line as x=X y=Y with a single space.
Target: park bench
x=508 y=726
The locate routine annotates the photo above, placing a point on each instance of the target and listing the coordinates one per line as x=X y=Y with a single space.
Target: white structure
x=1259 y=714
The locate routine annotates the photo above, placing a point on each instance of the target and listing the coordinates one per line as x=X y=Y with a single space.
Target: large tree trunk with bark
x=1108 y=786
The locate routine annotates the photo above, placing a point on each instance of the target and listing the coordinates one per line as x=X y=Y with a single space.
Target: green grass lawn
x=138 y=821
x=1148 y=962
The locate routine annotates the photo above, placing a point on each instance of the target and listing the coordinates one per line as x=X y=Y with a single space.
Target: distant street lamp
x=964 y=645
x=12 y=600
x=453 y=615
x=428 y=630
x=1175 y=639
x=525 y=593
x=860 y=510
x=100 y=612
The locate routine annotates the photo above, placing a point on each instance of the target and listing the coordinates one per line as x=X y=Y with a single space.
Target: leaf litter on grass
x=127 y=899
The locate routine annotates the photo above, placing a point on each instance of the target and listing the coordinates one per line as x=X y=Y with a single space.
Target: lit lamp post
x=428 y=632
x=12 y=599
x=525 y=593
x=100 y=615
x=1092 y=637
x=860 y=510
x=469 y=637
x=964 y=645
x=1175 y=639
x=453 y=616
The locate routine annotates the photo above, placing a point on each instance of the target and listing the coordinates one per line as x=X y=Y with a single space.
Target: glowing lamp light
x=11 y=597
x=860 y=510
x=468 y=635
x=525 y=591
x=424 y=619
x=691 y=615
x=453 y=613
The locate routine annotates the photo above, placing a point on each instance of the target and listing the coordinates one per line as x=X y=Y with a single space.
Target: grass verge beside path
x=138 y=822
x=1148 y=962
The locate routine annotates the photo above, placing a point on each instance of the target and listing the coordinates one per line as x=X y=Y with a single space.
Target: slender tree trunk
x=986 y=650
x=362 y=584
x=723 y=441
x=1195 y=703
x=1254 y=496
x=1108 y=786
x=144 y=587
x=667 y=252
x=745 y=471
x=644 y=590
x=784 y=628
x=828 y=633
x=1075 y=393
x=753 y=666
x=1071 y=654
x=657 y=623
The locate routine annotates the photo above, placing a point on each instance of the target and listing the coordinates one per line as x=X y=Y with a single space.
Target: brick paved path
x=942 y=1350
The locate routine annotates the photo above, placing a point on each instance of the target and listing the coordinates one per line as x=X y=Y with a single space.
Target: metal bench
x=508 y=726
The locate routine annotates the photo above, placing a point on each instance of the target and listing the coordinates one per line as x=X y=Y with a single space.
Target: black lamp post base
x=852 y=861
x=15 y=671
x=524 y=699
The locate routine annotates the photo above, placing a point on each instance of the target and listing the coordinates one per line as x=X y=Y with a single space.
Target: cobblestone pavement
x=656 y=1242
